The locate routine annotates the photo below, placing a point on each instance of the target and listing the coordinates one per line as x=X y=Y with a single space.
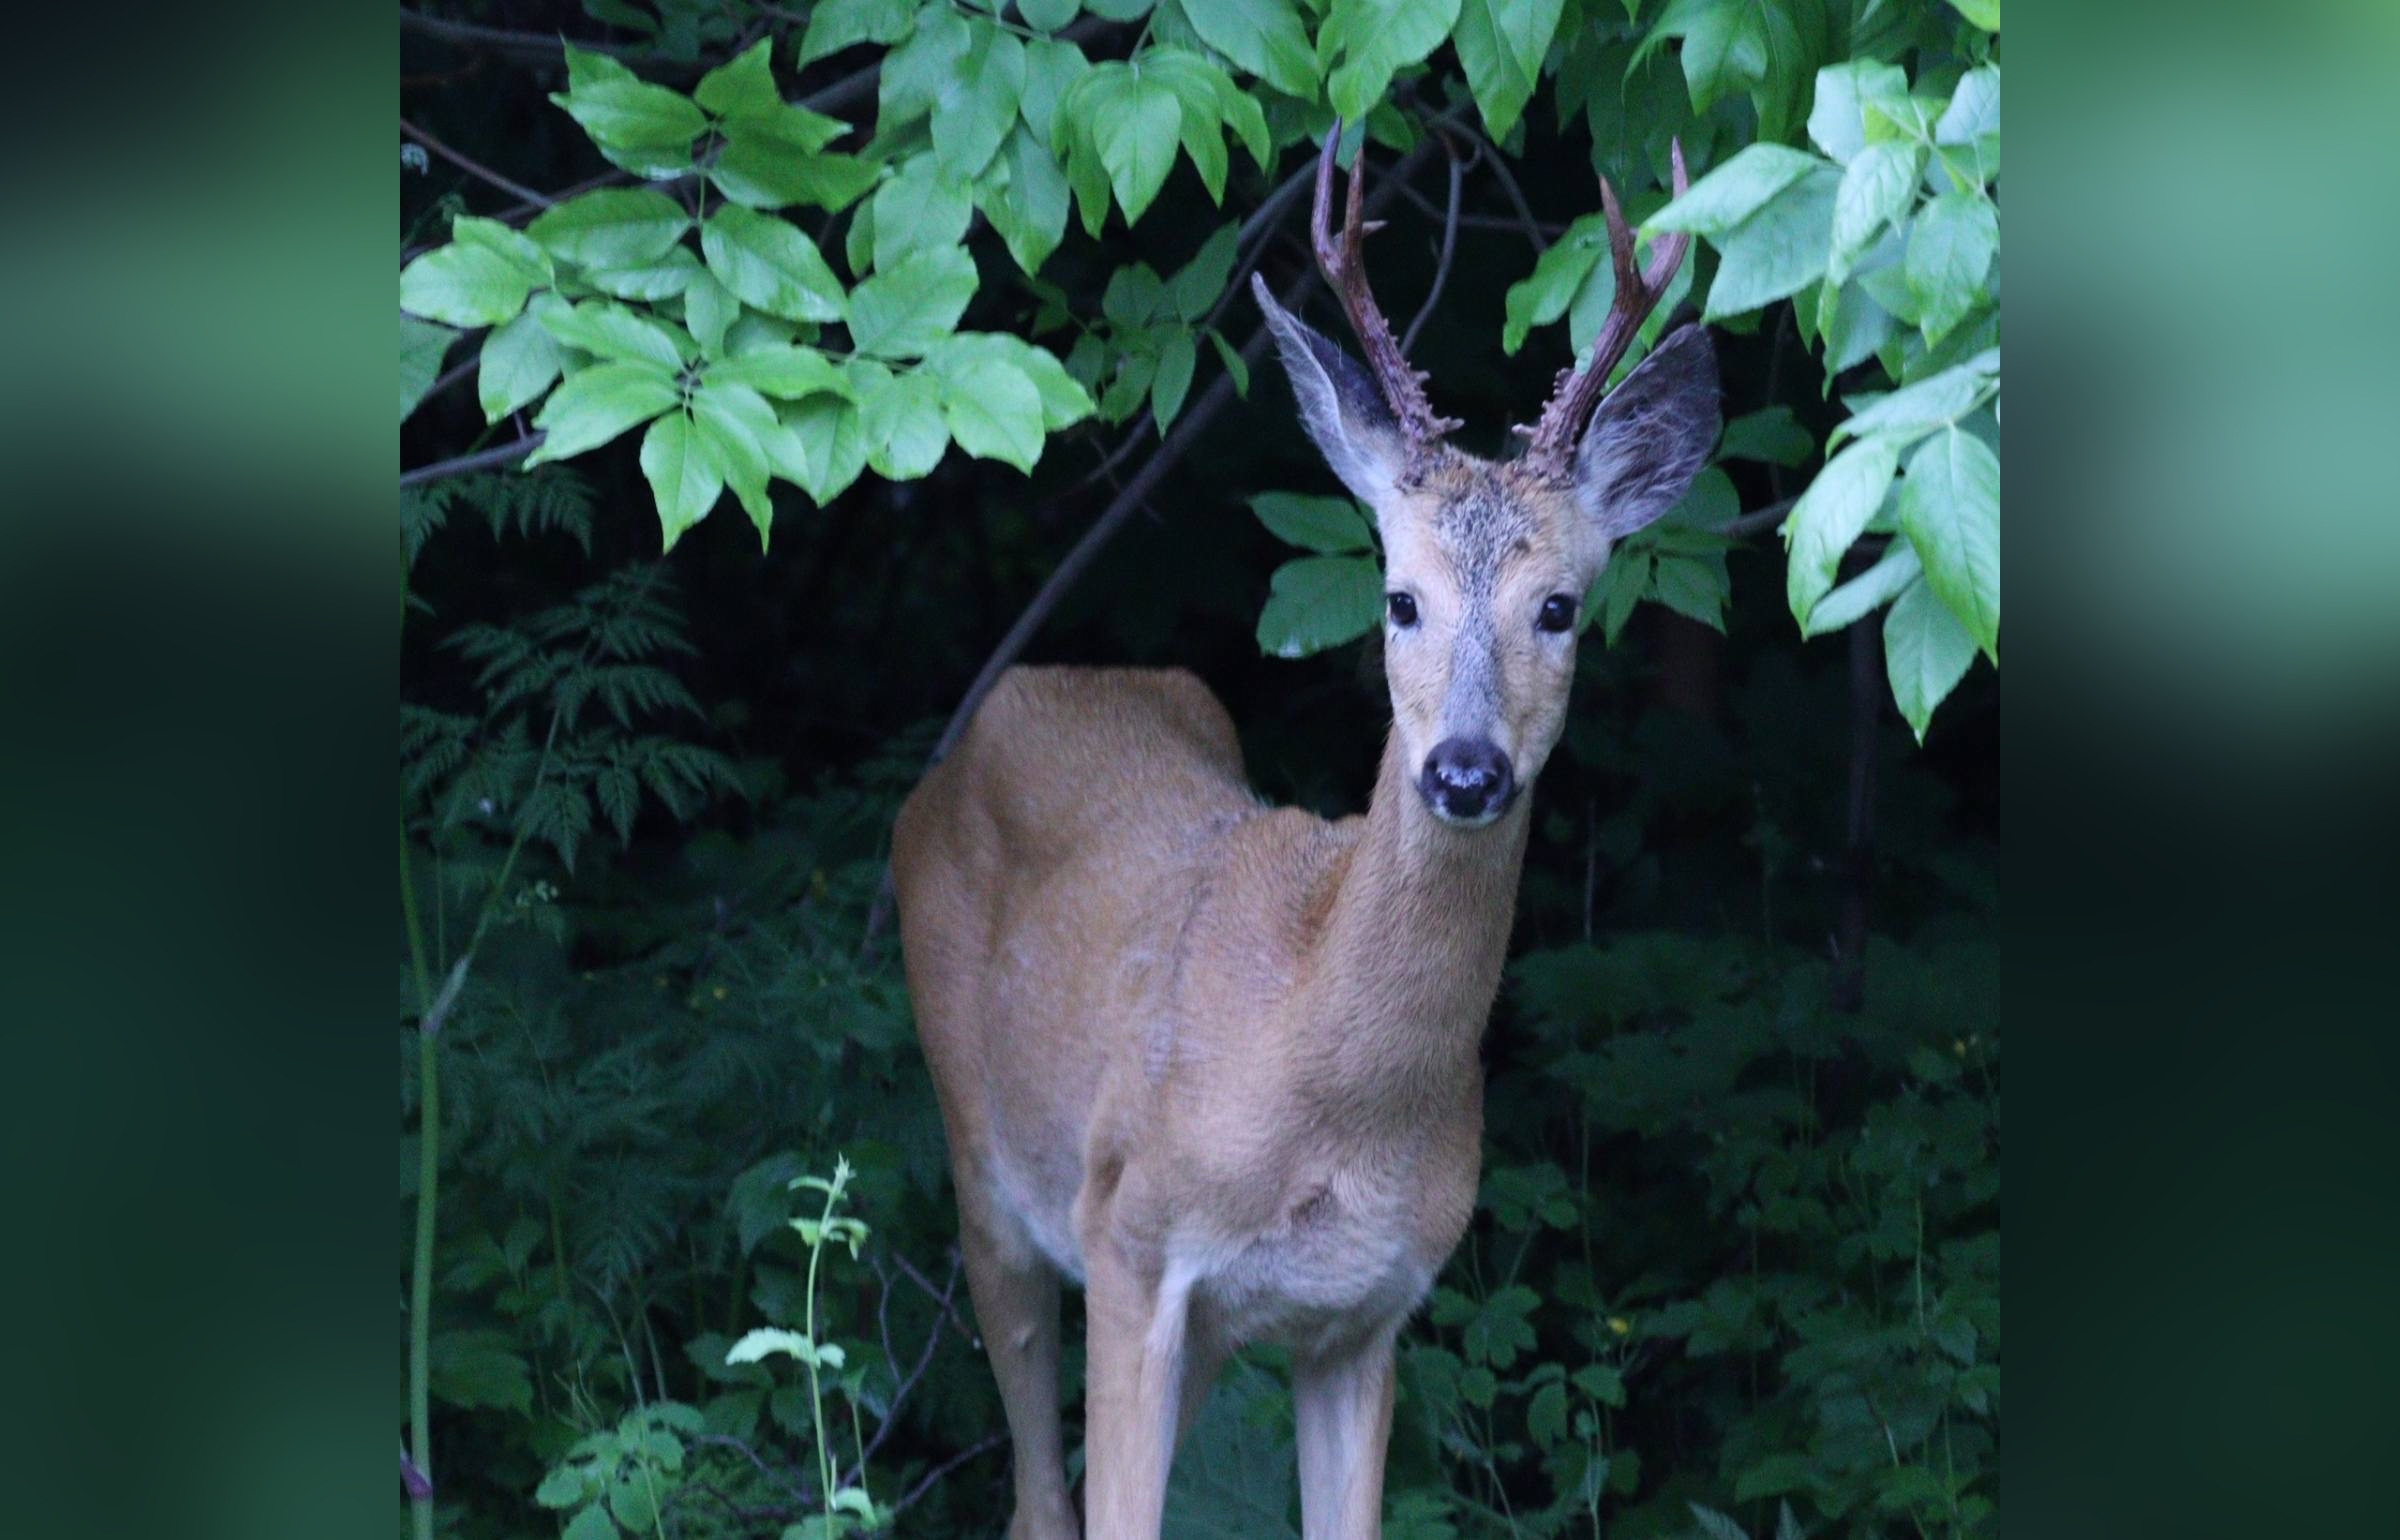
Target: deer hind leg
x=1016 y=1305
x=1344 y=1408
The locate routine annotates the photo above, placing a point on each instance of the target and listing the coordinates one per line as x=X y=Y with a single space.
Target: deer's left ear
x=1651 y=435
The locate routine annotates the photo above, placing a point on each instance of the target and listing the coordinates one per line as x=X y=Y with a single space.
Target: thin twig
x=891 y=1417
x=481 y=460
x=1516 y=195
x=972 y=1452
x=474 y=168
x=941 y=1298
x=1751 y=523
x=1441 y=267
x=534 y=45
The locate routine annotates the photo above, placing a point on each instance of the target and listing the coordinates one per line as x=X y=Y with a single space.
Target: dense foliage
x=678 y=1254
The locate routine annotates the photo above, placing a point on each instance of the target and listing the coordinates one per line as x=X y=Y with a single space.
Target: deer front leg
x=1134 y=1370
x=1344 y=1408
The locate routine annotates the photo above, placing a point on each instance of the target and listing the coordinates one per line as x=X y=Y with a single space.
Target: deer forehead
x=1480 y=524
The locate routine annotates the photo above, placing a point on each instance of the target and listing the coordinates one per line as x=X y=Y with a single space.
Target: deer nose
x=1467 y=780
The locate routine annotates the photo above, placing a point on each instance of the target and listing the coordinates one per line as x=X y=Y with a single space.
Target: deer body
x=1215 y=1061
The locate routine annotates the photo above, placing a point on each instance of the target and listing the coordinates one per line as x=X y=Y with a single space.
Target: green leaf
x=467 y=284
x=592 y=1523
x=607 y=330
x=1176 y=357
x=1049 y=15
x=1772 y=435
x=1319 y=602
x=1375 y=40
x=592 y=406
x=684 y=476
x=1051 y=67
x=664 y=278
x=834 y=25
x=1030 y=208
x=1064 y=403
x=768 y=263
x=1914 y=410
x=970 y=122
x=785 y=371
x=1197 y=283
x=1758 y=46
x=1983 y=13
x=520 y=360
x=1502 y=43
x=1865 y=593
x=1950 y=510
x=1830 y=516
x=921 y=207
x=916 y=75
x=1925 y=652
x=1233 y=1473
x=1777 y=251
x=709 y=311
x=1734 y=191
x=902 y=416
x=1266 y=38
x=613 y=226
x=1329 y=525
x=743 y=84
x=422 y=346
x=994 y=412
x=1950 y=249
x=480 y=1369
x=1201 y=90
x=829 y=432
x=1971 y=124
x=1542 y=296
x=762 y=174
x=1228 y=355
x=648 y=125
x=1837 y=121
x=1135 y=125
x=1877 y=187
x=734 y=422
x=905 y=311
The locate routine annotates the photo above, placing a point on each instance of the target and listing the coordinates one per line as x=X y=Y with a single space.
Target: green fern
x=553 y=499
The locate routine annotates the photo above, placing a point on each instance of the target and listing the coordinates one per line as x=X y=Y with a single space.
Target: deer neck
x=1416 y=932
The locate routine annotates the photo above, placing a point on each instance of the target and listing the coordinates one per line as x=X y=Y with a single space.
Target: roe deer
x=1216 y=1061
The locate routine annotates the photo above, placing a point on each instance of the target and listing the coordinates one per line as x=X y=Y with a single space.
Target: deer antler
x=1403 y=387
x=1577 y=393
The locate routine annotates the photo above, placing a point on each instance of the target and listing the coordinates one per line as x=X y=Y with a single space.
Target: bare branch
x=971 y=1452
x=473 y=167
x=1751 y=523
x=1441 y=268
x=481 y=460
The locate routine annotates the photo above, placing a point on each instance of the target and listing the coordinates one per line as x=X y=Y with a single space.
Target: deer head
x=1486 y=562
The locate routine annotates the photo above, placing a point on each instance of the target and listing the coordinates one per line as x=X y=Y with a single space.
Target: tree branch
x=529 y=45
x=481 y=460
x=1441 y=267
x=473 y=168
x=1751 y=523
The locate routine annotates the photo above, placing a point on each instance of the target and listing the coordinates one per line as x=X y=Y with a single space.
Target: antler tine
x=1346 y=270
x=1578 y=391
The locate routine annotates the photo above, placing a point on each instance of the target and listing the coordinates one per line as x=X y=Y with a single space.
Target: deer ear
x=1339 y=404
x=1651 y=435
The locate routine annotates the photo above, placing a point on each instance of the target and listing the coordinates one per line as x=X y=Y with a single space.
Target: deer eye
x=1403 y=609
x=1558 y=613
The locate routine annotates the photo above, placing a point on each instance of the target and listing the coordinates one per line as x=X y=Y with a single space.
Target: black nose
x=1466 y=778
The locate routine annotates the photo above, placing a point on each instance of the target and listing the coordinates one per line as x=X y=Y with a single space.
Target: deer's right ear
x=1339 y=404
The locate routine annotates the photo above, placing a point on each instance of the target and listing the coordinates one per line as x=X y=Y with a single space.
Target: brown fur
x=1217 y=1060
